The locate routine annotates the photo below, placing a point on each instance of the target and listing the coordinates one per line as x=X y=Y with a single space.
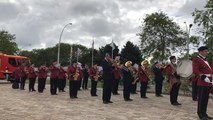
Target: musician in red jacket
x=94 y=75
x=42 y=76
x=173 y=79
x=74 y=76
x=144 y=73
x=54 y=69
x=61 y=79
x=116 y=77
x=204 y=72
x=32 y=78
x=23 y=76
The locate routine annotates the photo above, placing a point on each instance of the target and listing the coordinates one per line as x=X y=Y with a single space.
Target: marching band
x=112 y=72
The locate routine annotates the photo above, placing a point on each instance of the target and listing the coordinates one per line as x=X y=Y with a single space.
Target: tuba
x=145 y=67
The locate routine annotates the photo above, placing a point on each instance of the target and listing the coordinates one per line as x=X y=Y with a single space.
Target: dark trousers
x=73 y=88
x=85 y=82
x=41 y=84
x=143 y=89
x=32 y=84
x=107 y=89
x=174 y=93
x=134 y=88
x=158 y=87
x=194 y=90
x=93 y=87
x=79 y=84
x=127 y=89
x=53 y=85
x=203 y=98
x=22 y=82
x=61 y=84
x=115 y=86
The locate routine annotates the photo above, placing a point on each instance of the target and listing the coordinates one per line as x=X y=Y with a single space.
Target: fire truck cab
x=8 y=63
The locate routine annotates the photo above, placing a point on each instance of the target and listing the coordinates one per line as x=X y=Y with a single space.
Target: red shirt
x=116 y=73
x=31 y=72
x=142 y=75
x=16 y=73
x=42 y=72
x=53 y=71
x=92 y=73
x=199 y=68
x=73 y=72
x=61 y=73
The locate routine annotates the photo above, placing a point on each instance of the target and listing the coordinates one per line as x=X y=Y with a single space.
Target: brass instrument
x=97 y=75
x=135 y=76
x=146 y=69
x=76 y=74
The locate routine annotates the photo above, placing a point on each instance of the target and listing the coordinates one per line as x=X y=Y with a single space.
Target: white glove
x=207 y=80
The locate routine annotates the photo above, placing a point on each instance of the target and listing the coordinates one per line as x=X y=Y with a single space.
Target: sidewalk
x=22 y=105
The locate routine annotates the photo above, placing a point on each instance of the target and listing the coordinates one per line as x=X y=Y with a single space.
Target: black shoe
x=34 y=90
x=75 y=97
x=105 y=102
x=176 y=103
x=94 y=95
x=204 y=118
x=128 y=99
x=144 y=97
x=194 y=99
x=134 y=93
x=159 y=95
x=209 y=117
x=63 y=91
x=110 y=102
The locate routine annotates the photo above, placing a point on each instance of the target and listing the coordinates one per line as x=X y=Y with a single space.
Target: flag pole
x=92 y=50
x=70 y=54
x=112 y=48
x=77 y=54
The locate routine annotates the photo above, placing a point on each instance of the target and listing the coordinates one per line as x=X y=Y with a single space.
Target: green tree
x=204 y=19
x=131 y=52
x=160 y=35
x=7 y=43
x=108 y=49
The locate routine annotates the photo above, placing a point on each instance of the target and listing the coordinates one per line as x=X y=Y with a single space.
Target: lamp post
x=188 y=38
x=58 y=58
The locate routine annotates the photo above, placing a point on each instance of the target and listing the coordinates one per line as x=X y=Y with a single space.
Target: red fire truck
x=8 y=63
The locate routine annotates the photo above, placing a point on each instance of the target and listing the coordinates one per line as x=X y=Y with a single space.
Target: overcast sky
x=38 y=23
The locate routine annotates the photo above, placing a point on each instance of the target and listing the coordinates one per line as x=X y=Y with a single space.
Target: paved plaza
x=22 y=105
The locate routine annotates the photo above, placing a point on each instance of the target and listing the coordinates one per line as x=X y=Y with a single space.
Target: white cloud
x=38 y=24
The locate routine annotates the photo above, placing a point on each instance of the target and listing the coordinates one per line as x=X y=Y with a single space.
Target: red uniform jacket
x=168 y=71
x=31 y=72
x=116 y=73
x=142 y=75
x=199 y=68
x=22 y=71
x=53 y=71
x=42 y=72
x=16 y=73
x=92 y=73
x=61 y=73
x=72 y=71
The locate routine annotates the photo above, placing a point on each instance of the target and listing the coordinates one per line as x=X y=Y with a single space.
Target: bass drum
x=184 y=68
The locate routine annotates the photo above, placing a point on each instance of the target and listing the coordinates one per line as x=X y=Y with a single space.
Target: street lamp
x=58 y=59
x=188 y=38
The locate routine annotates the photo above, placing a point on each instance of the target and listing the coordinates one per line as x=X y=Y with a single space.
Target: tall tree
x=108 y=49
x=131 y=52
x=7 y=43
x=160 y=35
x=204 y=19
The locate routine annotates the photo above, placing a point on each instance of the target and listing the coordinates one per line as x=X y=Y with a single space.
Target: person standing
x=173 y=79
x=204 y=73
x=16 y=74
x=42 y=76
x=61 y=79
x=85 y=76
x=158 y=78
x=127 y=80
x=32 y=78
x=23 y=76
x=74 y=76
x=144 y=73
x=54 y=69
x=107 y=79
x=116 y=76
x=94 y=76
x=193 y=80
